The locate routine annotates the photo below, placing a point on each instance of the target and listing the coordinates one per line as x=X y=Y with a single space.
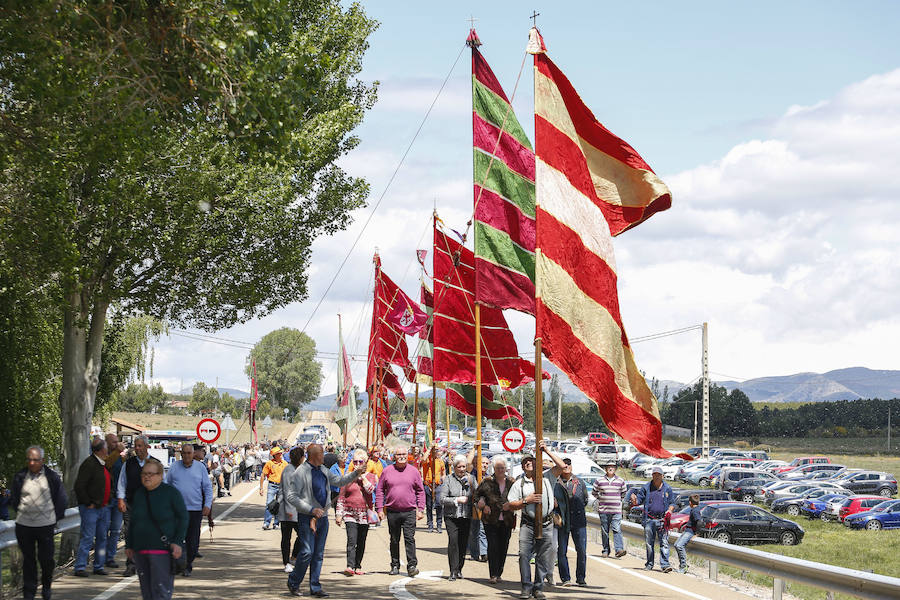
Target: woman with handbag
x=155 y=537
x=356 y=511
x=287 y=513
x=457 y=492
x=490 y=497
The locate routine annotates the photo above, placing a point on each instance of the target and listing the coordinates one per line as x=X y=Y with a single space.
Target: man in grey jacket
x=310 y=492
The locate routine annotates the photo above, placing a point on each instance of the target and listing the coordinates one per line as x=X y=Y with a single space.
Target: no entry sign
x=513 y=439
x=208 y=430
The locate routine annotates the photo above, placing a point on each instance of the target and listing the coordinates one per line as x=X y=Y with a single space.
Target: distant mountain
x=841 y=384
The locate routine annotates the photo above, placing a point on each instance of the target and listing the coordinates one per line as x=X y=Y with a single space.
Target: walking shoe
x=538 y=595
x=524 y=595
x=359 y=571
x=483 y=558
x=452 y=576
x=412 y=571
x=112 y=564
x=265 y=527
x=492 y=580
x=80 y=573
x=648 y=567
x=548 y=580
x=394 y=571
x=581 y=583
x=198 y=555
x=438 y=530
x=320 y=594
x=288 y=568
x=349 y=572
x=605 y=555
x=294 y=591
x=129 y=571
x=100 y=572
x=682 y=570
x=620 y=553
x=429 y=530
x=187 y=571
x=565 y=583
x=667 y=569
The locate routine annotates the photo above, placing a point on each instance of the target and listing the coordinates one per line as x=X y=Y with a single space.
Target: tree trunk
x=82 y=341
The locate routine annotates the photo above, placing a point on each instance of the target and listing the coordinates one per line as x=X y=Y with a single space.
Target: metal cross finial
x=534 y=17
x=472 y=20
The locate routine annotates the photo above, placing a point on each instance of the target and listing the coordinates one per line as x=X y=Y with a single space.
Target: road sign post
x=228 y=426
x=513 y=439
x=267 y=425
x=208 y=431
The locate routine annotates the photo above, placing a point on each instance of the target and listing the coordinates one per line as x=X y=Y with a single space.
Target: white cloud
x=787 y=246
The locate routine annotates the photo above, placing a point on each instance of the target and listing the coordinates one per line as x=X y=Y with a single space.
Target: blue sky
x=777 y=126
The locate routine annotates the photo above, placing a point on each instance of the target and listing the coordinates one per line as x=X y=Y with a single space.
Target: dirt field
x=280 y=429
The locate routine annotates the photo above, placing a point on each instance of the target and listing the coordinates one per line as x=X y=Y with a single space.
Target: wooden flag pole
x=415 y=414
x=477 y=392
x=538 y=437
x=433 y=435
x=369 y=418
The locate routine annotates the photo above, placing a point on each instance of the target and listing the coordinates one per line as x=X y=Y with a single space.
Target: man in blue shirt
x=659 y=502
x=191 y=478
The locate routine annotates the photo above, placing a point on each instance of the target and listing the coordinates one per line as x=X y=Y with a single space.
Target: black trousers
x=286 y=554
x=192 y=538
x=457 y=541
x=28 y=538
x=356 y=543
x=405 y=523
x=498 y=547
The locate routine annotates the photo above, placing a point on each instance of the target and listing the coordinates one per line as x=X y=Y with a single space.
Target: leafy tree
x=287 y=374
x=203 y=398
x=174 y=159
x=139 y=397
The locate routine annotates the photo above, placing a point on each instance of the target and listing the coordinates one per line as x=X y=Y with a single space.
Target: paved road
x=243 y=562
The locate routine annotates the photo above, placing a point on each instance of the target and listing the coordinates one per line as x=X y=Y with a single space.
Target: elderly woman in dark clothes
x=159 y=523
x=456 y=495
x=490 y=498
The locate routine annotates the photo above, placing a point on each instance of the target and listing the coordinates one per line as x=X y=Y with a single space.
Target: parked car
x=597 y=437
x=787 y=492
x=858 y=504
x=817 y=508
x=469 y=431
x=732 y=475
x=759 y=454
x=681 y=517
x=747 y=524
x=833 y=508
x=603 y=454
x=769 y=465
x=625 y=452
x=690 y=467
x=871 y=482
x=885 y=515
x=638 y=460
x=636 y=513
x=746 y=490
x=802 y=460
x=807 y=470
x=791 y=505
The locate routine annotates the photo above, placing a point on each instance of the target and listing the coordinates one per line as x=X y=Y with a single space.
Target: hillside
x=841 y=384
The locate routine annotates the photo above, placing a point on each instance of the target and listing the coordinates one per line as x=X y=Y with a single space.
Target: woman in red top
x=354 y=505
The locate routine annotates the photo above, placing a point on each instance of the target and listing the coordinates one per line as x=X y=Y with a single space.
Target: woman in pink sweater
x=354 y=505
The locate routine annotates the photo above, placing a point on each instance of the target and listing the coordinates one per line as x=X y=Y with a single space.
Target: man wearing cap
x=522 y=496
x=658 y=501
x=609 y=491
x=272 y=473
x=575 y=523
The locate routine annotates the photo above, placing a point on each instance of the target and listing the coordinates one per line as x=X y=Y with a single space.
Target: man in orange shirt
x=375 y=465
x=272 y=473
x=433 y=480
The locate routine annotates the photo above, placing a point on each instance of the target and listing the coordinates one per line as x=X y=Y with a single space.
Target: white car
x=647 y=468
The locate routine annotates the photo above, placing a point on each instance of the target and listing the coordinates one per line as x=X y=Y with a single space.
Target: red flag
x=387 y=344
x=406 y=315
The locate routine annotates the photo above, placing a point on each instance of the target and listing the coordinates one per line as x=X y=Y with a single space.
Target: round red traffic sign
x=513 y=439
x=208 y=430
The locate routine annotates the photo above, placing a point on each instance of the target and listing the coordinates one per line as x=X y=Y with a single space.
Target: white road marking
x=668 y=586
x=121 y=585
x=398 y=587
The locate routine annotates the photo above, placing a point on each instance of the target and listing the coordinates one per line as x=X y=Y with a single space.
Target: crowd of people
x=160 y=509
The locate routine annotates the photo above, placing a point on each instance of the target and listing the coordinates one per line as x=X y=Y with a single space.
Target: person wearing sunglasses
x=355 y=504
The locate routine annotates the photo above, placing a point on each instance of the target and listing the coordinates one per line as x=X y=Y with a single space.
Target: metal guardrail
x=72 y=520
x=860 y=584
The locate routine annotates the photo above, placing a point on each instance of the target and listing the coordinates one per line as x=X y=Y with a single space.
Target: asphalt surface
x=242 y=561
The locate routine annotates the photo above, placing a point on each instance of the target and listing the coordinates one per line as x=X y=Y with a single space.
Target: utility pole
x=559 y=415
x=705 y=390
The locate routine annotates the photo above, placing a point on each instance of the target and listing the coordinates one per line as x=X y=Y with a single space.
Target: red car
x=801 y=461
x=599 y=438
x=678 y=520
x=857 y=504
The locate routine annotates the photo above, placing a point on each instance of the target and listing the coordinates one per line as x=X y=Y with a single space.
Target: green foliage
x=844 y=418
x=125 y=357
x=287 y=374
x=30 y=343
x=139 y=397
x=730 y=413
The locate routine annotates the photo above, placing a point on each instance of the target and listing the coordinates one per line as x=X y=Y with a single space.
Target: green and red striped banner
x=504 y=195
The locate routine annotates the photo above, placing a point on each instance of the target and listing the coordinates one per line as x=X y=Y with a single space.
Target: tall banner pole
x=415 y=414
x=433 y=435
x=538 y=436
x=477 y=392
x=369 y=418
